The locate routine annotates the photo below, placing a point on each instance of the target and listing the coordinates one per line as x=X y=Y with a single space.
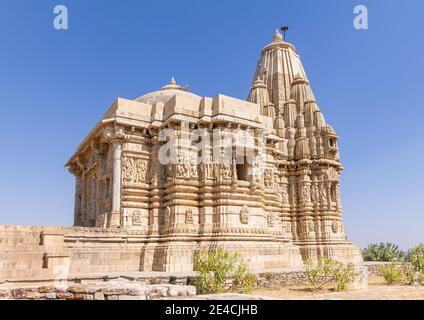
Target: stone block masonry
x=109 y=291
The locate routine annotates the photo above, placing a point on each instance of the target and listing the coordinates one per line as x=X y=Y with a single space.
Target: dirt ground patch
x=377 y=290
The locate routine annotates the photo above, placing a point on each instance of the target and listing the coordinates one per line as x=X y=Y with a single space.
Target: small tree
x=382 y=252
x=221 y=271
x=343 y=274
x=319 y=272
x=325 y=271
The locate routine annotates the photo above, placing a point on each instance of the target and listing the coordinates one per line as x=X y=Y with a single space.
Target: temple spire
x=278 y=66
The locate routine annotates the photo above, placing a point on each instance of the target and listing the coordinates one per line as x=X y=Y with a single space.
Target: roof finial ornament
x=277 y=37
x=172 y=85
x=284 y=28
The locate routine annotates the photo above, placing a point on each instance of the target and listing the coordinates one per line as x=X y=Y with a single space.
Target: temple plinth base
x=343 y=251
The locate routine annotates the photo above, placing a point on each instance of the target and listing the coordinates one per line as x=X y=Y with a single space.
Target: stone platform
x=51 y=252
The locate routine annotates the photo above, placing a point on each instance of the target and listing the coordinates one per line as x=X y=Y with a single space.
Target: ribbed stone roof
x=165 y=93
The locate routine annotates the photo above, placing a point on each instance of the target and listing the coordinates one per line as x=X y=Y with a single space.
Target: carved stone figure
x=269 y=178
x=189 y=216
x=193 y=169
x=137 y=218
x=306 y=193
x=167 y=217
x=142 y=170
x=311 y=226
x=182 y=168
x=335 y=226
x=225 y=169
x=323 y=193
x=271 y=219
x=244 y=215
x=208 y=165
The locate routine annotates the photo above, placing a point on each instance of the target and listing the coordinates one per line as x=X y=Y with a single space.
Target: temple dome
x=166 y=93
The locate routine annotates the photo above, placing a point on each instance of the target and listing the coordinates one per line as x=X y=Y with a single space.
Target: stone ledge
x=109 y=291
x=265 y=277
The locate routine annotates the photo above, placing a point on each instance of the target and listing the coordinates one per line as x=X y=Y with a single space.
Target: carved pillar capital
x=114 y=134
x=76 y=167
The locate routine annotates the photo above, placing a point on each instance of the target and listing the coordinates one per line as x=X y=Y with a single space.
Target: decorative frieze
x=135 y=170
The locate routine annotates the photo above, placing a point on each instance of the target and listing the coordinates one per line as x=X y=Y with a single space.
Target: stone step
x=11 y=240
x=103 y=268
x=20 y=254
x=24 y=273
x=21 y=265
x=27 y=233
x=21 y=260
x=28 y=247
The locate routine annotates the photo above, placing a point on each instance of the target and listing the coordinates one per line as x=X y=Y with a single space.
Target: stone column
x=77 y=209
x=100 y=213
x=158 y=177
x=77 y=172
x=115 y=219
x=115 y=136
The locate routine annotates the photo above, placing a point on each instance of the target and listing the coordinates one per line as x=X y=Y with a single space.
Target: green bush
x=393 y=274
x=409 y=273
x=325 y=271
x=420 y=278
x=383 y=252
x=414 y=273
x=416 y=257
x=343 y=274
x=413 y=276
x=221 y=271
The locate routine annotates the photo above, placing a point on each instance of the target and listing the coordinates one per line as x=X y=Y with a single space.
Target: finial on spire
x=284 y=28
x=277 y=36
x=172 y=85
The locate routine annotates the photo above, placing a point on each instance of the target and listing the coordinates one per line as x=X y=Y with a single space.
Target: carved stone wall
x=286 y=196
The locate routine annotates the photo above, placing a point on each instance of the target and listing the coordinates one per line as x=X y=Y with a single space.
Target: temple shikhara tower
x=135 y=213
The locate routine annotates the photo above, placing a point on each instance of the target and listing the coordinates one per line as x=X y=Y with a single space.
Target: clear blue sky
x=55 y=85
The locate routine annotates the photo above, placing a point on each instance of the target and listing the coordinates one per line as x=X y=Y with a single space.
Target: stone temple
x=135 y=213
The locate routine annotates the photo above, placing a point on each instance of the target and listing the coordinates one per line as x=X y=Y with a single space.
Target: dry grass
x=377 y=290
